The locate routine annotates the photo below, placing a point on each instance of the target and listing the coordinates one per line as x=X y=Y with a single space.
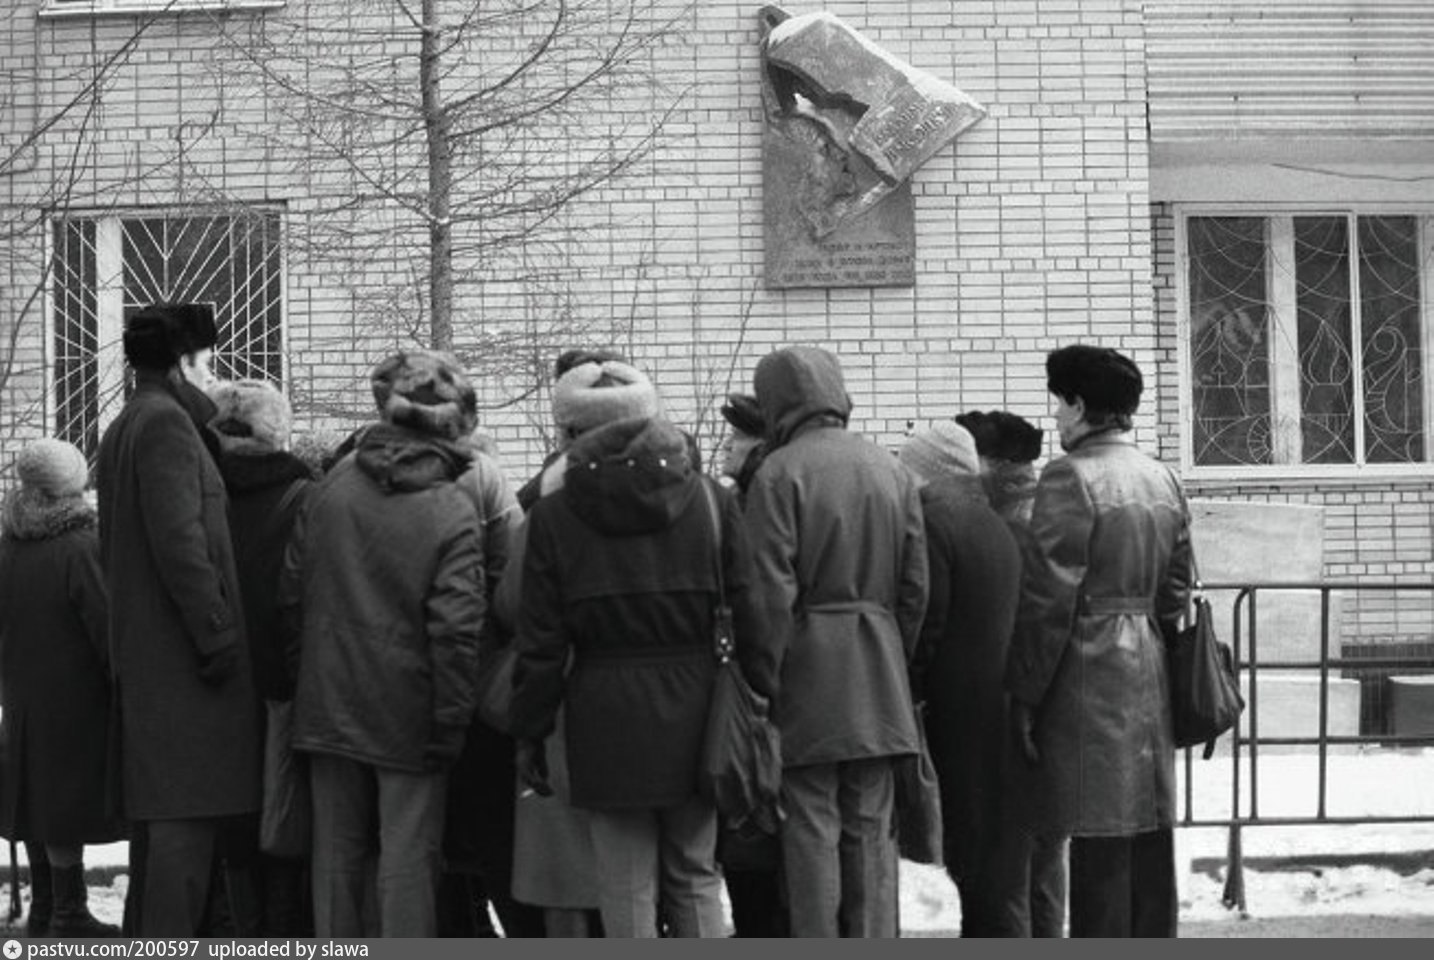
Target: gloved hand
x=532 y=763
x=220 y=665
x=1023 y=729
x=444 y=747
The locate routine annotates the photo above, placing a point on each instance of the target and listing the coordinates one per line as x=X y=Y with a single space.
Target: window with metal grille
x=107 y=267
x=1307 y=338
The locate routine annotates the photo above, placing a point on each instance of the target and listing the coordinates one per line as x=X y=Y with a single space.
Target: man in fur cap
x=383 y=589
x=1090 y=705
x=189 y=717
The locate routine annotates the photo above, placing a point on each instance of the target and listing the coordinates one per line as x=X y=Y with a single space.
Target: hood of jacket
x=797 y=386
x=630 y=476
x=246 y=472
x=401 y=460
x=30 y=515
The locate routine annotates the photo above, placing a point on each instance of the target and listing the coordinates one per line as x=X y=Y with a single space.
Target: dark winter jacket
x=54 y=676
x=840 y=571
x=191 y=747
x=620 y=571
x=383 y=589
x=975 y=570
x=266 y=490
x=1111 y=572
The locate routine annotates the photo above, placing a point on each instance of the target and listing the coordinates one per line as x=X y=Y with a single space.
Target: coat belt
x=1096 y=606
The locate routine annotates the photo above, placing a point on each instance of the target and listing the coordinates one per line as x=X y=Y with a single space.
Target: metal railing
x=1246 y=735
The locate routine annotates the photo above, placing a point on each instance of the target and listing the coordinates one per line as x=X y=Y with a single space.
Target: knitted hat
x=744 y=414
x=592 y=394
x=1107 y=381
x=427 y=391
x=53 y=468
x=252 y=415
x=1001 y=435
x=945 y=449
x=157 y=336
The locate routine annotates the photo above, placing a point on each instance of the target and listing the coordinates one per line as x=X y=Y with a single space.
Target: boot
x=72 y=917
x=42 y=897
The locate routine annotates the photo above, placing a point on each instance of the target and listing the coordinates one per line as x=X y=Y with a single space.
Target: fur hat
x=592 y=394
x=945 y=449
x=744 y=414
x=1108 y=382
x=157 y=336
x=1001 y=435
x=53 y=468
x=574 y=358
x=253 y=416
x=427 y=391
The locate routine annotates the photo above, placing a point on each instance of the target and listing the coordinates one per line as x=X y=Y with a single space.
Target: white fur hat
x=54 y=468
x=945 y=449
x=253 y=416
x=592 y=394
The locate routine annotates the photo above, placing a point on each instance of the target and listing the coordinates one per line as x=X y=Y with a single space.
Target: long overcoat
x=839 y=571
x=1109 y=575
x=54 y=677
x=975 y=569
x=189 y=748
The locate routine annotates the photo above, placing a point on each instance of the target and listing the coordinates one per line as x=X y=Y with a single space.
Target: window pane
x=1229 y=340
x=1322 y=304
x=77 y=368
x=1389 y=326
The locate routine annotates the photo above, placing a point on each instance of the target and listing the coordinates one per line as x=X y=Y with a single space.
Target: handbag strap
x=722 y=643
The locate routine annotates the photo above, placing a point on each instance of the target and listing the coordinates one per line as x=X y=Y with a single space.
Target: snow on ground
x=1366 y=781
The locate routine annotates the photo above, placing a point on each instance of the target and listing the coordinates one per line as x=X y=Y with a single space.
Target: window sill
x=53 y=10
x=1291 y=476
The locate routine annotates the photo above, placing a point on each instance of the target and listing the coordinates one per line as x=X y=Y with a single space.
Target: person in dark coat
x=190 y=728
x=975 y=571
x=1031 y=863
x=54 y=685
x=382 y=589
x=268 y=895
x=1108 y=581
x=621 y=575
x=841 y=581
x=751 y=858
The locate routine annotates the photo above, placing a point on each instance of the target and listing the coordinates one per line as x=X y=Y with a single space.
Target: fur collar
x=28 y=515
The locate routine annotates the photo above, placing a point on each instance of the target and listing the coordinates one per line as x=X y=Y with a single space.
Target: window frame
x=1318 y=472
x=59 y=9
x=109 y=306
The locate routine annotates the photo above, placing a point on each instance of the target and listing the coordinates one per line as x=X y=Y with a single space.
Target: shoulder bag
x=740 y=769
x=1205 y=698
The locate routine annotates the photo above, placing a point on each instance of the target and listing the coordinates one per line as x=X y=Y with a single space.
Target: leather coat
x=1110 y=576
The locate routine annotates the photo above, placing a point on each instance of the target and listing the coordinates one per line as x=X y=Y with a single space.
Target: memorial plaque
x=846 y=126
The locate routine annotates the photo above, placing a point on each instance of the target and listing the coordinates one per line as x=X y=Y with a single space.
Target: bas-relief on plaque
x=846 y=125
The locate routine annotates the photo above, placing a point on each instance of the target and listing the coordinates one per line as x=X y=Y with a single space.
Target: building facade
x=1235 y=194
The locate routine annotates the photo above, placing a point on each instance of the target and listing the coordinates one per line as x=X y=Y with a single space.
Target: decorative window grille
x=1307 y=340
x=106 y=268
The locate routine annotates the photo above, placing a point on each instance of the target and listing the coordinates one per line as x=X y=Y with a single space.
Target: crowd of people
x=227 y=587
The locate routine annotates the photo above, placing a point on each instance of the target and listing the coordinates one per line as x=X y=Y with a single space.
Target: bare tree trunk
x=436 y=123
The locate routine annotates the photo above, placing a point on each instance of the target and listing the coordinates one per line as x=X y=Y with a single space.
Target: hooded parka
x=383 y=586
x=1110 y=572
x=621 y=572
x=190 y=748
x=840 y=570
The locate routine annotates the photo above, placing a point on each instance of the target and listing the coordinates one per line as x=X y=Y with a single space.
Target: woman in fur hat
x=267 y=485
x=54 y=685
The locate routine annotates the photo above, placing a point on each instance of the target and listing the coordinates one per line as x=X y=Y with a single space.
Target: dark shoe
x=42 y=898
x=72 y=917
